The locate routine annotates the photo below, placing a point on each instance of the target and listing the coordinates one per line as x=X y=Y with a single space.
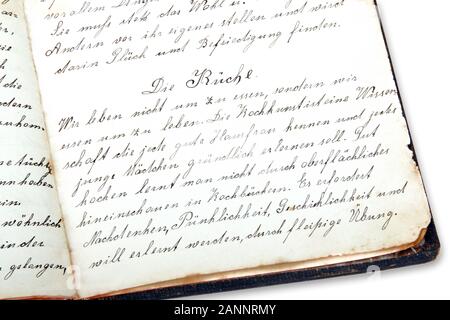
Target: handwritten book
x=184 y=147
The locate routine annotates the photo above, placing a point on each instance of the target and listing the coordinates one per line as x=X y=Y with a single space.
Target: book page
x=193 y=138
x=34 y=256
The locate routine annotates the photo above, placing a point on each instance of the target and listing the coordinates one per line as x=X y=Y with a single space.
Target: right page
x=195 y=138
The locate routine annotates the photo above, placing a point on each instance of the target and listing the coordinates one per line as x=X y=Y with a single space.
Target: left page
x=34 y=256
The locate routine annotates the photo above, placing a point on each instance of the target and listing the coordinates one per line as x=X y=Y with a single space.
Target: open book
x=157 y=144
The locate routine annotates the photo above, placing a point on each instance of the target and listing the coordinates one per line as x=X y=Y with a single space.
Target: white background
x=418 y=34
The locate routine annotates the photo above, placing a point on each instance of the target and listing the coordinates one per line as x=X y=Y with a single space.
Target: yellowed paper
x=199 y=137
x=34 y=257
